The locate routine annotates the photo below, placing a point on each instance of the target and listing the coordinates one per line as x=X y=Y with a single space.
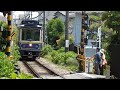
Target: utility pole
x=44 y=32
x=66 y=32
x=81 y=57
x=9 y=18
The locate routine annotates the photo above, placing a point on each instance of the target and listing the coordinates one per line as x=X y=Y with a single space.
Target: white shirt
x=103 y=56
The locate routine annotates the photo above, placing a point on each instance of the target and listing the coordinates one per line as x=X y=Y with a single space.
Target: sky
x=17 y=13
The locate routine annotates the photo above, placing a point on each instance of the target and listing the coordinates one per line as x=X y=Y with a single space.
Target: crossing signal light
x=85 y=17
x=86 y=40
x=85 y=21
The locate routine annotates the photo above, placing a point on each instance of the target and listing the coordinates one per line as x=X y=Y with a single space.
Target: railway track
x=40 y=71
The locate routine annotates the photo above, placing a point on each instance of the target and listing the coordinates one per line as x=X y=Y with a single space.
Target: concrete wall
x=77 y=29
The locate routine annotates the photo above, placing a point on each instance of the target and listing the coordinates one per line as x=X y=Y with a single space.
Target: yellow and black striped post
x=9 y=18
x=81 y=57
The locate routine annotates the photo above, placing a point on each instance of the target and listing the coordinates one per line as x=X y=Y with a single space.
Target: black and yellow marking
x=9 y=18
x=82 y=63
x=13 y=33
x=82 y=56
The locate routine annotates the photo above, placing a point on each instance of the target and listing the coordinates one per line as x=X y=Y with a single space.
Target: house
x=60 y=15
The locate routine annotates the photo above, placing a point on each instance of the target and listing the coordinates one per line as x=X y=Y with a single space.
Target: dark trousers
x=101 y=70
x=98 y=69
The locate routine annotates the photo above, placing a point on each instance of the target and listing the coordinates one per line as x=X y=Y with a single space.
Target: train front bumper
x=29 y=53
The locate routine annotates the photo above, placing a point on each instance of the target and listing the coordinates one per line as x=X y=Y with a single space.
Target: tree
x=3 y=35
x=112 y=20
x=55 y=29
x=61 y=41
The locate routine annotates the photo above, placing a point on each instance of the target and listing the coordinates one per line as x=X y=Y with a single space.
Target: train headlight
x=38 y=26
x=30 y=45
x=22 y=25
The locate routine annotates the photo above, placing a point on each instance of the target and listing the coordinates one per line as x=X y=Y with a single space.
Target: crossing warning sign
x=13 y=33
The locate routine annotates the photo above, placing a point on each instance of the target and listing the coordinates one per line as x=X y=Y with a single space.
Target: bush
x=73 y=68
x=54 y=56
x=61 y=41
x=62 y=49
x=71 y=61
x=20 y=76
x=46 y=49
x=55 y=27
x=70 y=54
x=59 y=57
x=62 y=58
x=48 y=57
x=16 y=53
x=6 y=66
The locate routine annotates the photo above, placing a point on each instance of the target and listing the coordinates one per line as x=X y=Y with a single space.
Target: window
x=31 y=34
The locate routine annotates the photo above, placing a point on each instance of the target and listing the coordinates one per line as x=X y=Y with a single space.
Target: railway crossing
x=81 y=57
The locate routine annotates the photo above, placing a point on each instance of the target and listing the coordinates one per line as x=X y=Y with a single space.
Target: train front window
x=31 y=34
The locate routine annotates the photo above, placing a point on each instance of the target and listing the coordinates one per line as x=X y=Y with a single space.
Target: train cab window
x=31 y=34
x=37 y=35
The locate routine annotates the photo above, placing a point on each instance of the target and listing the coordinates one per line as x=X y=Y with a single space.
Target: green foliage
x=21 y=76
x=112 y=19
x=67 y=59
x=54 y=55
x=46 y=49
x=94 y=26
x=73 y=67
x=16 y=30
x=61 y=41
x=3 y=24
x=16 y=53
x=55 y=27
x=59 y=57
x=62 y=49
x=94 y=37
x=71 y=62
x=7 y=69
x=48 y=56
x=2 y=36
x=95 y=18
x=15 y=48
x=6 y=66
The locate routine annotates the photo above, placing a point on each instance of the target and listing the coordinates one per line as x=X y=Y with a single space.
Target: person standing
x=97 y=61
x=104 y=62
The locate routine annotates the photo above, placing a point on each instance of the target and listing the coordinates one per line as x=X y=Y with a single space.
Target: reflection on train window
x=31 y=34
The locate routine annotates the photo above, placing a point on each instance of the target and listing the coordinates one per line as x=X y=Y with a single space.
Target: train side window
x=23 y=34
x=37 y=35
